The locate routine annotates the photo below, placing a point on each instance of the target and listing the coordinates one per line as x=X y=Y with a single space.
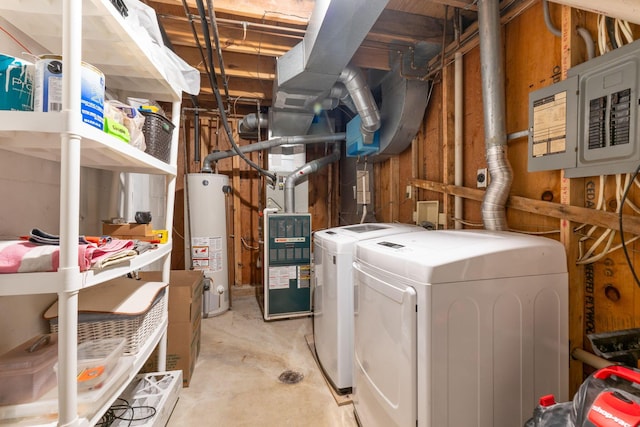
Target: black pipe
x=216 y=91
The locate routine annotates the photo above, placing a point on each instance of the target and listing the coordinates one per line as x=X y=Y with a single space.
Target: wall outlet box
x=482 y=178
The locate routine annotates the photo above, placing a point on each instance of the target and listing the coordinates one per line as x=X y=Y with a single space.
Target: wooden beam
x=448 y=137
x=460 y=4
x=235 y=64
x=572 y=195
x=394 y=188
x=469 y=39
x=284 y=11
x=561 y=211
x=234 y=39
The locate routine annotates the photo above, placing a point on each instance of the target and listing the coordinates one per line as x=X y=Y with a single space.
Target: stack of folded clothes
x=40 y=252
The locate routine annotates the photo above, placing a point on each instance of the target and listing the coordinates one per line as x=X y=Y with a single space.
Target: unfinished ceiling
x=252 y=34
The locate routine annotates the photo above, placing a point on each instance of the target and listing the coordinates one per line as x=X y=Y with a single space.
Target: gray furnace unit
x=287 y=265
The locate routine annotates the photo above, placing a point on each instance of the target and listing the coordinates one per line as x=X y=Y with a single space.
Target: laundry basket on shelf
x=157 y=130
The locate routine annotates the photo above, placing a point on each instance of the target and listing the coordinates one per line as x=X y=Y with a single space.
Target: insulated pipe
x=363 y=100
x=583 y=32
x=588 y=41
x=270 y=143
x=309 y=168
x=458 y=143
x=547 y=19
x=493 y=99
x=591 y=359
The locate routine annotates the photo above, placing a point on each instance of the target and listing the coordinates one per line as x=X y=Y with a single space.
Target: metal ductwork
x=363 y=102
x=250 y=125
x=402 y=106
x=309 y=168
x=306 y=74
x=493 y=100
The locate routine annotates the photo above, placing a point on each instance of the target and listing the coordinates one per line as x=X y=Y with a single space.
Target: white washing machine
x=458 y=328
x=333 y=295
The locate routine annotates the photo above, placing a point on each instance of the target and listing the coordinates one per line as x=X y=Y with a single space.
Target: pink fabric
x=19 y=256
x=25 y=257
x=96 y=253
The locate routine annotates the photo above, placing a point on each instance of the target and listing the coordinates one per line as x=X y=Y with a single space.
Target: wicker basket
x=157 y=130
x=135 y=329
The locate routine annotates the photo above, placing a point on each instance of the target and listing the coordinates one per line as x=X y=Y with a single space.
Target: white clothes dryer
x=458 y=328
x=333 y=295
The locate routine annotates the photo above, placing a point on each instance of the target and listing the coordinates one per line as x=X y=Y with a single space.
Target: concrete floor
x=236 y=384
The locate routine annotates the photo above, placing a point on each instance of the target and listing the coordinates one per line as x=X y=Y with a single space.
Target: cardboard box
x=185 y=293
x=128 y=230
x=185 y=313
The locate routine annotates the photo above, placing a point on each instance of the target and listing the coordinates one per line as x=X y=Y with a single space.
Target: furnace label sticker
x=279 y=276
x=206 y=253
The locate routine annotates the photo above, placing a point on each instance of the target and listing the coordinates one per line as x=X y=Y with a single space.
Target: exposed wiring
x=602 y=35
x=625 y=28
x=126 y=412
x=11 y=36
x=535 y=232
x=364 y=213
x=468 y=223
x=247 y=246
x=620 y=226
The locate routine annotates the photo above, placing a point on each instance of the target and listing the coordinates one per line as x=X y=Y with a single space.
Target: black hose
x=624 y=245
x=216 y=91
x=216 y=40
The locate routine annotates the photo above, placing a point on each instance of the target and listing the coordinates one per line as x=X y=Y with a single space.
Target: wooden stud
x=448 y=135
x=572 y=193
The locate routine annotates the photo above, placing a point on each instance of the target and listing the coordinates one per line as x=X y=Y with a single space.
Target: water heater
x=206 y=237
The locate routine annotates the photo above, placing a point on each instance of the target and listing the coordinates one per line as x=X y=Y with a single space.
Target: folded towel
x=26 y=257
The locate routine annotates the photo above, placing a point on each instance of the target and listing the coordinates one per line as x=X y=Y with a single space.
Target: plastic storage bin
x=157 y=130
x=96 y=360
x=26 y=372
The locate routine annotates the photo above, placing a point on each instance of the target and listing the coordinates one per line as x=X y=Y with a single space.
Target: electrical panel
x=553 y=113
x=287 y=265
x=594 y=113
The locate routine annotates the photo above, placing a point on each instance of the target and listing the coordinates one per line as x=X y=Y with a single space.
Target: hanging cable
x=610 y=26
x=216 y=91
x=624 y=245
x=216 y=40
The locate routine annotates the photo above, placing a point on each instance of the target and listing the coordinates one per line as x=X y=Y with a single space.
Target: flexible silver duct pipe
x=363 y=100
x=253 y=122
x=339 y=92
x=493 y=99
x=309 y=168
x=270 y=143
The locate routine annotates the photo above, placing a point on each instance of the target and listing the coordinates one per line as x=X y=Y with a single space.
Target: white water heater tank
x=206 y=244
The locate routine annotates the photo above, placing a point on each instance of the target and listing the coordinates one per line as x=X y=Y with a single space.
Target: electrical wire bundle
x=124 y=412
